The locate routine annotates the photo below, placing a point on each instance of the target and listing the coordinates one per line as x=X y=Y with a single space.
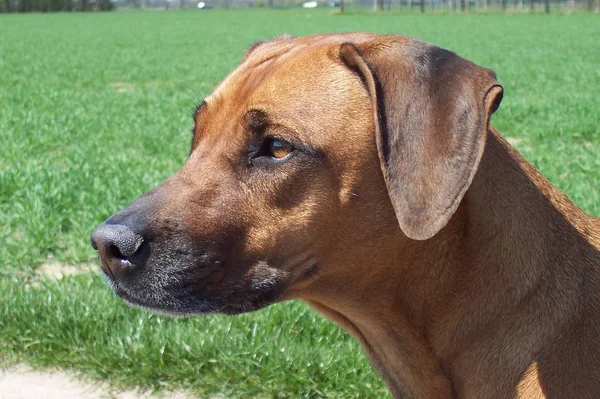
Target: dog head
x=305 y=156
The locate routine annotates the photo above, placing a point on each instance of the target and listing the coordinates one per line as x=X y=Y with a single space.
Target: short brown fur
x=497 y=295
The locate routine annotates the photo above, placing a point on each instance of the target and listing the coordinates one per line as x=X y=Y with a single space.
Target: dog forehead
x=297 y=77
x=264 y=62
x=262 y=57
x=301 y=88
x=308 y=53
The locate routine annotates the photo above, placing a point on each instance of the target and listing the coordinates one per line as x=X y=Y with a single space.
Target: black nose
x=117 y=245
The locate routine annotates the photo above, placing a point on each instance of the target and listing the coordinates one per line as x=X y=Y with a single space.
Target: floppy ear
x=431 y=111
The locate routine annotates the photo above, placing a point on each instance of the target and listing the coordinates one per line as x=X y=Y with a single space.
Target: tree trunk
x=341 y=5
x=423 y=6
x=547 y=5
x=463 y=6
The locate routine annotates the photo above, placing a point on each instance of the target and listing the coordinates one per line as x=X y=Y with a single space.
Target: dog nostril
x=114 y=252
x=116 y=242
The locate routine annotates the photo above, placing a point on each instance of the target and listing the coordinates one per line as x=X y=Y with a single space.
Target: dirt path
x=21 y=382
x=24 y=383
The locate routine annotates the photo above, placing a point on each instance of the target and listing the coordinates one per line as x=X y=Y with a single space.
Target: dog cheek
x=265 y=278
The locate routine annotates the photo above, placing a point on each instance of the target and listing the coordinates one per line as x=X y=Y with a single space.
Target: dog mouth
x=161 y=303
x=183 y=298
x=187 y=289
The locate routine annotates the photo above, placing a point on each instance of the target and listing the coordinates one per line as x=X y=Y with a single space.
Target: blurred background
x=448 y=6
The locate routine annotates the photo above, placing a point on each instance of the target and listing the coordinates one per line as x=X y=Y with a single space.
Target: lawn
x=96 y=108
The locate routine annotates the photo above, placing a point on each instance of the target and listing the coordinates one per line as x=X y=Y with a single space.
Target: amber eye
x=279 y=148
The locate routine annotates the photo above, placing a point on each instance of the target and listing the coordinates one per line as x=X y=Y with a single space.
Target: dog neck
x=480 y=300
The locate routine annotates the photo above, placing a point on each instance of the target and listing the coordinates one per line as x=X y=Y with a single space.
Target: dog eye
x=279 y=149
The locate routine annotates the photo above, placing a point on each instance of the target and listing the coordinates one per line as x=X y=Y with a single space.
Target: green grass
x=95 y=109
x=282 y=351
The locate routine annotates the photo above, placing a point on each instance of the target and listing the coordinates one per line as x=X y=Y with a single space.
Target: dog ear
x=431 y=111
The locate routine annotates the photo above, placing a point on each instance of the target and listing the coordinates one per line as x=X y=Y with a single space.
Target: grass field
x=95 y=109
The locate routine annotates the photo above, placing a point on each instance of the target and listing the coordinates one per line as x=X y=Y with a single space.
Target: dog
x=378 y=193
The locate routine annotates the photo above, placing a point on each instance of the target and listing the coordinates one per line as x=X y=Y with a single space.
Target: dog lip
x=157 y=310
x=136 y=302
x=124 y=294
x=106 y=269
x=122 y=266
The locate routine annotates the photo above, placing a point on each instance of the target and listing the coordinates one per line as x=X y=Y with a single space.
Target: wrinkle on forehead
x=279 y=49
x=257 y=62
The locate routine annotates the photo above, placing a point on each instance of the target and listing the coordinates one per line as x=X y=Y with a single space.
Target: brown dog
x=359 y=173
